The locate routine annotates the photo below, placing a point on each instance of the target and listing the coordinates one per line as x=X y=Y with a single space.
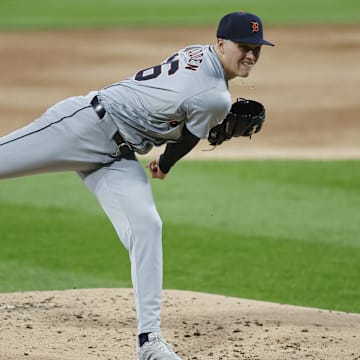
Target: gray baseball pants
x=71 y=136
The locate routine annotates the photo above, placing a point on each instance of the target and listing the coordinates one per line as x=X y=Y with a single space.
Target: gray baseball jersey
x=151 y=107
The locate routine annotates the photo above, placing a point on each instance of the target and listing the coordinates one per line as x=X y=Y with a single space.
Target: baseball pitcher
x=177 y=102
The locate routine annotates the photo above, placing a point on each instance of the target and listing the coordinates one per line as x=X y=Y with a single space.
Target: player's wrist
x=164 y=165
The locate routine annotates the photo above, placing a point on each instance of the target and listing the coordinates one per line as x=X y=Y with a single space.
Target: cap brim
x=264 y=42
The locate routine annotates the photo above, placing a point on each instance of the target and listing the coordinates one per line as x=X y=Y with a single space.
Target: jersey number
x=155 y=71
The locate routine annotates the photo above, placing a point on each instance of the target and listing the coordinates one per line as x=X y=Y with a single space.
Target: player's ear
x=220 y=45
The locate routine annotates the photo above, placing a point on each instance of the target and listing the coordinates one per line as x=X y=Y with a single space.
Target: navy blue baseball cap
x=242 y=27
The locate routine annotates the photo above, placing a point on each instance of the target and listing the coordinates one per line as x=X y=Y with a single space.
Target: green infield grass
x=283 y=231
x=43 y=14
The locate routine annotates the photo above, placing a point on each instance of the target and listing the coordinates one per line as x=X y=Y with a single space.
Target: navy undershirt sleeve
x=175 y=151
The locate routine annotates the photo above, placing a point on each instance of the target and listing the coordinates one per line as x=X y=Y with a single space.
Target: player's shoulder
x=215 y=100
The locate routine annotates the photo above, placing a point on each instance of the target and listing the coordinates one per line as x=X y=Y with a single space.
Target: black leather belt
x=98 y=107
x=123 y=149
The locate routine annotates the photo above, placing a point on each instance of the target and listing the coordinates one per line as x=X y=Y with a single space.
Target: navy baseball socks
x=143 y=338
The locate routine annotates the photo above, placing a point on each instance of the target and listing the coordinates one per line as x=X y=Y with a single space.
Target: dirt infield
x=99 y=324
x=309 y=84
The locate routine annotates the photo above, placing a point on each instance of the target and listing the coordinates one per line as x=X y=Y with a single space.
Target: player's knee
x=154 y=221
x=149 y=222
x=147 y=234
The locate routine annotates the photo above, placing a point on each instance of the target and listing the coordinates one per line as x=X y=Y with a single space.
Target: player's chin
x=239 y=73
x=244 y=72
x=244 y=75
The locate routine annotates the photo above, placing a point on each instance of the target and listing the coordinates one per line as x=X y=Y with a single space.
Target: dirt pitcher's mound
x=100 y=324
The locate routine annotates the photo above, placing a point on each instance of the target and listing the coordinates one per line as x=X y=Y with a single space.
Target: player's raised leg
x=66 y=137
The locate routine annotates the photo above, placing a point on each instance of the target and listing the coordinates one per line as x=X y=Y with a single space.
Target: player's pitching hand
x=154 y=169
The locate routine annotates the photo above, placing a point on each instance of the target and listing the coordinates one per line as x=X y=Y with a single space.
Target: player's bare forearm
x=155 y=170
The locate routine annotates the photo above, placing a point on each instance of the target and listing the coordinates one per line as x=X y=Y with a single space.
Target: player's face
x=238 y=59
